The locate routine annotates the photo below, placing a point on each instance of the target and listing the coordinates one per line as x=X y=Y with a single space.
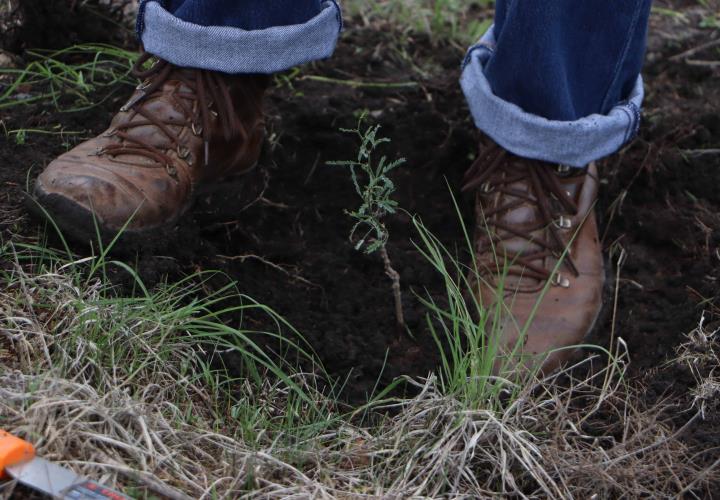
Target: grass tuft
x=458 y=22
x=74 y=73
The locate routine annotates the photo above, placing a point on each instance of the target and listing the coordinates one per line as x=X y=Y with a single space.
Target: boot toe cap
x=549 y=338
x=107 y=197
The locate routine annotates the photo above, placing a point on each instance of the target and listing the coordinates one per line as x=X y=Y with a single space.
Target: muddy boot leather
x=530 y=216
x=180 y=129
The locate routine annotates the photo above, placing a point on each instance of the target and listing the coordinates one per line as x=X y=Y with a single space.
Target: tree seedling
x=372 y=184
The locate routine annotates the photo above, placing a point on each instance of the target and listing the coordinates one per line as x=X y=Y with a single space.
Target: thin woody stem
x=397 y=291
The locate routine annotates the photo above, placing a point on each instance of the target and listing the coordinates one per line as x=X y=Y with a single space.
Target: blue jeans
x=553 y=80
x=245 y=14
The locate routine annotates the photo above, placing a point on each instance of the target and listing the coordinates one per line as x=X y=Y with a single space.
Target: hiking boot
x=540 y=264
x=181 y=128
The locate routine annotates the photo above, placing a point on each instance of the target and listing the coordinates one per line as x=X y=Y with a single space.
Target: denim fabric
x=565 y=59
x=557 y=81
x=245 y=14
x=574 y=142
x=233 y=49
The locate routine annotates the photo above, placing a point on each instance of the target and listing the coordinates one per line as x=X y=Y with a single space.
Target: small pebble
x=6 y=61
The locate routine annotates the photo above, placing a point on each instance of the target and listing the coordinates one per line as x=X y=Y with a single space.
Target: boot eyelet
x=561 y=281
x=196 y=129
x=171 y=171
x=134 y=99
x=486 y=187
x=563 y=169
x=563 y=222
x=183 y=152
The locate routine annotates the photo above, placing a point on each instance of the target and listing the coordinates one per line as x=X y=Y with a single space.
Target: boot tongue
x=164 y=109
x=521 y=218
x=528 y=218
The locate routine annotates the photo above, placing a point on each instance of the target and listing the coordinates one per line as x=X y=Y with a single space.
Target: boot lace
x=208 y=97
x=555 y=209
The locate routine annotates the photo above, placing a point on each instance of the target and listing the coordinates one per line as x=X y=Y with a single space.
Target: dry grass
x=156 y=418
x=701 y=355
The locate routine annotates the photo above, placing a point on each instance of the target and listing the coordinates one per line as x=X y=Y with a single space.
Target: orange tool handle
x=13 y=451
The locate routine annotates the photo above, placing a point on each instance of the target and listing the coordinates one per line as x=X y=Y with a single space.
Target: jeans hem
x=575 y=143
x=234 y=50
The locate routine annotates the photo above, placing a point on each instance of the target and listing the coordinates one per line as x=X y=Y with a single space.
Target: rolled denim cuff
x=235 y=50
x=574 y=143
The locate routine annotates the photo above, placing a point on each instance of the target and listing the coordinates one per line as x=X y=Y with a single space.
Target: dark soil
x=57 y=24
x=660 y=206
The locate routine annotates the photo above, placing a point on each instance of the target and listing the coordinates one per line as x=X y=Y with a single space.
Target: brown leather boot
x=530 y=216
x=180 y=129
